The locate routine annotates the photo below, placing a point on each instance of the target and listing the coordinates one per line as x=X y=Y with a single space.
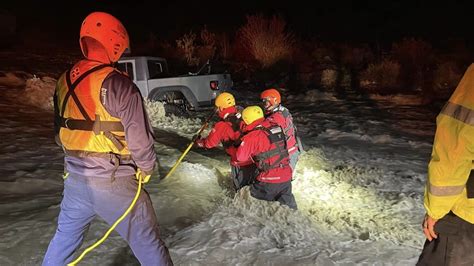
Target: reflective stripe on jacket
x=452 y=156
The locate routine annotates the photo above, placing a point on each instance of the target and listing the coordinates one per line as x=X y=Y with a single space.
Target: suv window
x=155 y=69
x=126 y=67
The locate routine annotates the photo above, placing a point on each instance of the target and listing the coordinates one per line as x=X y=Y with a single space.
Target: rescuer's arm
x=215 y=136
x=123 y=100
x=246 y=149
x=57 y=118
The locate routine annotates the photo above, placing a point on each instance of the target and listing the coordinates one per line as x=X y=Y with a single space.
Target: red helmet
x=271 y=96
x=108 y=31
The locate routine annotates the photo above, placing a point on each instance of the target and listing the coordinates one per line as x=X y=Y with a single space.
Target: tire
x=168 y=98
x=173 y=109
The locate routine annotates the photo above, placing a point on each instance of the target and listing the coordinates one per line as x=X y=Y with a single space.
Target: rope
x=96 y=244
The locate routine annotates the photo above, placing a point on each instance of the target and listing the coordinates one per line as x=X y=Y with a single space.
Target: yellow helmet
x=224 y=100
x=251 y=113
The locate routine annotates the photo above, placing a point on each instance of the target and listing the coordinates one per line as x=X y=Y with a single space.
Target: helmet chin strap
x=272 y=108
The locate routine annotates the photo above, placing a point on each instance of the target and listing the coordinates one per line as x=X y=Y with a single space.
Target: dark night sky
x=336 y=19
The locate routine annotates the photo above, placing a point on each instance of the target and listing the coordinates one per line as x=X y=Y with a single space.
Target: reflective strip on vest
x=459 y=112
x=264 y=178
x=444 y=191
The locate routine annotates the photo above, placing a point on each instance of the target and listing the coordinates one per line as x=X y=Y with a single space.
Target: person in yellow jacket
x=449 y=192
x=101 y=124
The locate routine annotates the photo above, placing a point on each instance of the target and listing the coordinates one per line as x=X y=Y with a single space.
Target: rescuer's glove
x=198 y=140
x=145 y=176
x=196 y=137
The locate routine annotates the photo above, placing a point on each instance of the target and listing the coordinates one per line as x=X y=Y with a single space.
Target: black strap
x=268 y=154
x=115 y=159
x=470 y=185
x=266 y=166
x=72 y=87
x=96 y=126
x=115 y=140
x=280 y=150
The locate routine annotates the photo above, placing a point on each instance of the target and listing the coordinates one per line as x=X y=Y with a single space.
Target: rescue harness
x=277 y=156
x=87 y=124
x=96 y=125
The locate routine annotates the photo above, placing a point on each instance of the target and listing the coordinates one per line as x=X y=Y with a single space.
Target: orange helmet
x=272 y=96
x=108 y=31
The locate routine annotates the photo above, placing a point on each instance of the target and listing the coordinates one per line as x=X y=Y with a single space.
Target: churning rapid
x=358 y=186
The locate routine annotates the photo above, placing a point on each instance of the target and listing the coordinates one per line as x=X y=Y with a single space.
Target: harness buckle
x=65 y=123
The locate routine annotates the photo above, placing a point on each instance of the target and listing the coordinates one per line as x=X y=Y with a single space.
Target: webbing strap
x=470 y=185
x=116 y=159
x=97 y=127
x=114 y=140
x=104 y=155
x=267 y=154
x=280 y=150
x=72 y=86
x=79 y=124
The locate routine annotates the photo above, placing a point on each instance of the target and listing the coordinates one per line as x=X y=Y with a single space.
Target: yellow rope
x=180 y=159
x=188 y=148
x=87 y=250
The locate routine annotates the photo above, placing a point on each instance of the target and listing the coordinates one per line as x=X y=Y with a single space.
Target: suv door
x=129 y=66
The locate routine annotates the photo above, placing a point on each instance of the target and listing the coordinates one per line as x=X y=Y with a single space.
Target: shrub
x=355 y=56
x=267 y=39
x=329 y=78
x=414 y=55
x=223 y=46
x=206 y=49
x=383 y=75
x=447 y=77
x=187 y=44
x=198 y=48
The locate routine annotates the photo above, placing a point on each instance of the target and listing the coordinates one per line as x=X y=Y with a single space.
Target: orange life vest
x=87 y=129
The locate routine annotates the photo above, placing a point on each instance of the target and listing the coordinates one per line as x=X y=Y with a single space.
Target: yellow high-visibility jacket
x=453 y=155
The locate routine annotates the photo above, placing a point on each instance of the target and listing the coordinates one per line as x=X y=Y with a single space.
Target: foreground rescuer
x=102 y=126
x=228 y=132
x=449 y=193
x=265 y=144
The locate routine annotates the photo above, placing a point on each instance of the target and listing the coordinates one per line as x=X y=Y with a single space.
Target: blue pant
x=280 y=192
x=85 y=197
x=243 y=175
